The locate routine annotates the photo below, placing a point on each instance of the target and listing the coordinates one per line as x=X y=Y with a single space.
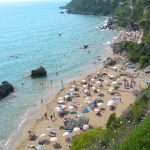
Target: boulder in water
x=39 y=72
x=5 y=89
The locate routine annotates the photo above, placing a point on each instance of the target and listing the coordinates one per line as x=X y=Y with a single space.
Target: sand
x=40 y=126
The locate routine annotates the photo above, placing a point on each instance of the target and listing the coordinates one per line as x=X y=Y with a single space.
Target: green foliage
x=137 y=53
x=112 y=118
x=87 y=138
x=94 y=7
x=138 y=139
x=123 y=12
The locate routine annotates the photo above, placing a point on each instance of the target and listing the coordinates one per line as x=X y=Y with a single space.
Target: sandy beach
x=117 y=84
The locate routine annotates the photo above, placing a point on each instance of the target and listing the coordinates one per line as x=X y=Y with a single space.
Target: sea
x=34 y=34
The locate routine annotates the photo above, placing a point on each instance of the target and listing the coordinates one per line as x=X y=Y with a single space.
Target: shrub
x=138 y=139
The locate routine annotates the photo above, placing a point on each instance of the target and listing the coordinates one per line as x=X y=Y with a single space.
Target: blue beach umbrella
x=39 y=147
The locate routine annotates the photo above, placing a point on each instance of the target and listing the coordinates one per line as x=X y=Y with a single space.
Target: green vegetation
x=94 y=7
x=86 y=139
x=138 y=139
x=137 y=53
x=128 y=132
x=128 y=13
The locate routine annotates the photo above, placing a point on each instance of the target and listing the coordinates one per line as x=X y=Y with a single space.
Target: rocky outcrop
x=109 y=62
x=133 y=27
x=39 y=72
x=5 y=89
x=117 y=47
x=147 y=69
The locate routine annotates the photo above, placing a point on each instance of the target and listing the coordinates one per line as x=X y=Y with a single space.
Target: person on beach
x=29 y=132
x=51 y=116
x=51 y=82
x=41 y=101
x=46 y=116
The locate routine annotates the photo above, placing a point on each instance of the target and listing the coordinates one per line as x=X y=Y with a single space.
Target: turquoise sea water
x=29 y=38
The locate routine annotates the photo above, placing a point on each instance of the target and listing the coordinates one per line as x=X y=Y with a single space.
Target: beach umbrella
x=72 y=89
x=85 y=86
x=63 y=106
x=93 y=80
x=114 y=83
x=87 y=98
x=53 y=139
x=90 y=102
x=86 y=91
x=71 y=107
x=39 y=147
x=98 y=82
x=98 y=90
x=60 y=101
x=96 y=110
x=42 y=135
x=110 y=103
x=76 y=129
x=111 y=76
x=115 y=68
x=83 y=81
x=85 y=127
x=94 y=88
x=60 y=98
x=99 y=104
x=66 y=133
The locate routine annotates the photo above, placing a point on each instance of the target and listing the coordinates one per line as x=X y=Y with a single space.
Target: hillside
x=129 y=13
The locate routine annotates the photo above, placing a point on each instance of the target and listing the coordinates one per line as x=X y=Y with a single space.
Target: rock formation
x=39 y=72
x=5 y=89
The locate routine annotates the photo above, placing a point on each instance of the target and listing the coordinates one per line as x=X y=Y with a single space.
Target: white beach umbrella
x=67 y=96
x=83 y=81
x=60 y=98
x=86 y=91
x=85 y=86
x=94 y=88
x=76 y=129
x=98 y=90
x=70 y=107
x=72 y=89
x=61 y=102
x=63 y=106
x=115 y=68
x=66 y=133
x=53 y=139
x=58 y=109
x=96 y=110
x=92 y=80
x=110 y=102
x=42 y=135
x=99 y=104
x=98 y=82
x=85 y=127
x=111 y=76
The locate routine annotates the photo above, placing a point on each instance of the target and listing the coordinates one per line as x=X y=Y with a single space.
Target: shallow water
x=29 y=38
